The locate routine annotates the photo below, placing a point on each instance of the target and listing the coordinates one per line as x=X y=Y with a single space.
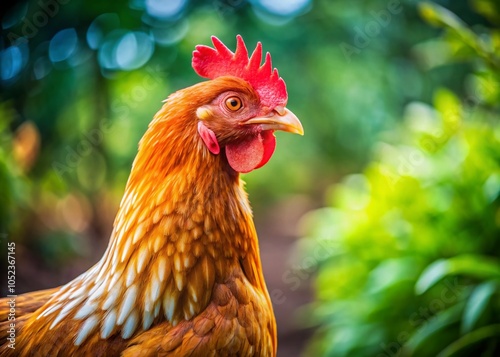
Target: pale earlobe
x=209 y=138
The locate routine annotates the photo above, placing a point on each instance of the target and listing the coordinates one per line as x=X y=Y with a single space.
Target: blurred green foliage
x=414 y=239
x=402 y=91
x=80 y=81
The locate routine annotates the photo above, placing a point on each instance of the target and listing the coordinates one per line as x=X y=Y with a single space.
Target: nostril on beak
x=280 y=110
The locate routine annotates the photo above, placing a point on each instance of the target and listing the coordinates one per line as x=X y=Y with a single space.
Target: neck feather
x=184 y=224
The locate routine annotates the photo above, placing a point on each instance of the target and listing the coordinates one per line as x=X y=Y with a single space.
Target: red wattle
x=269 y=147
x=252 y=153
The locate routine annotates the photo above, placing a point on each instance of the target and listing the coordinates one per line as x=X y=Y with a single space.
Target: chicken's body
x=182 y=274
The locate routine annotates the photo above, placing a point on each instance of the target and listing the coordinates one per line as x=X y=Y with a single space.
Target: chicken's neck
x=184 y=224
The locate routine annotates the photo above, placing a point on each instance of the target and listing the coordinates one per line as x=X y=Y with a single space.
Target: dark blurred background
x=379 y=228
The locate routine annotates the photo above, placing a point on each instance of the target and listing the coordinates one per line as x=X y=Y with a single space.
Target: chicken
x=182 y=273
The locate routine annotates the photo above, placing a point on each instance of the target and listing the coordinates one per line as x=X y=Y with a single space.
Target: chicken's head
x=248 y=106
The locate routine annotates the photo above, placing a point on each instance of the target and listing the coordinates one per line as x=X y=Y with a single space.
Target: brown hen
x=182 y=274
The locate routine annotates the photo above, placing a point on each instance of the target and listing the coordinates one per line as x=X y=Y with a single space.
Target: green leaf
x=476 y=304
x=390 y=273
x=476 y=266
x=470 y=339
x=434 y=272
x=439 y=16
x=487 y=8
x=434 y=326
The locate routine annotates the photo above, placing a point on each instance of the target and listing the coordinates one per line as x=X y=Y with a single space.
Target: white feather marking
x=97 y=291
x=155 y=289
x=49 y=310
x=147 y=320
x=120 y=228
x=88 y=280
x=127 y=304
x=162 y=266
x=115 y=242
x=87 y=328
x=126 y=197
x=58 y=319
x=130 y=275
x=141 y=259
x=152 y=294
x=179 y=280
x=90 y=272
x=157 y=308
x=102 y=268
x=148 y=304
x=67 y=308
x=64 y=297
x=191 y=309
x=127 y=226
x=194 y=296
x=95 y=285
x=88 y=308
x=130 y=325
x=177 y=262
x=114 y=259
x=139 y=232
x=127 y=208
x=157 y=244
x=114 y=280
x=78 y=292
x=119 y=223
x=108 y=325
x=132 y=217
x=169 y=307
x=186 y=262
x=113 y=296
x=125 y=250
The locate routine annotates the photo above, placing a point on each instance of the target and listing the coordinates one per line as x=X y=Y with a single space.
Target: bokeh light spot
x=106 y=56
x=125 y=50
x=164 y=9
x=98 y=28
x=11 y=61
x=133 y=50
x=63 y=45
x=171 y=34
x=42 y=67
x=284 y=8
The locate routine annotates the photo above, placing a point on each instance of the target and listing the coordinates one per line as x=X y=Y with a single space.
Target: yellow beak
x=280 y=119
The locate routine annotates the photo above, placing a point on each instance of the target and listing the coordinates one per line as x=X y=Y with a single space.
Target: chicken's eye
x=233 y=103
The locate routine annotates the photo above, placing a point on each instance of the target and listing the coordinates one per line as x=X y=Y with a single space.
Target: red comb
x=211 y=63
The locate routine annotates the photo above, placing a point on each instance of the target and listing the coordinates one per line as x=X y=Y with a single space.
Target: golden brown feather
x=182 y=274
